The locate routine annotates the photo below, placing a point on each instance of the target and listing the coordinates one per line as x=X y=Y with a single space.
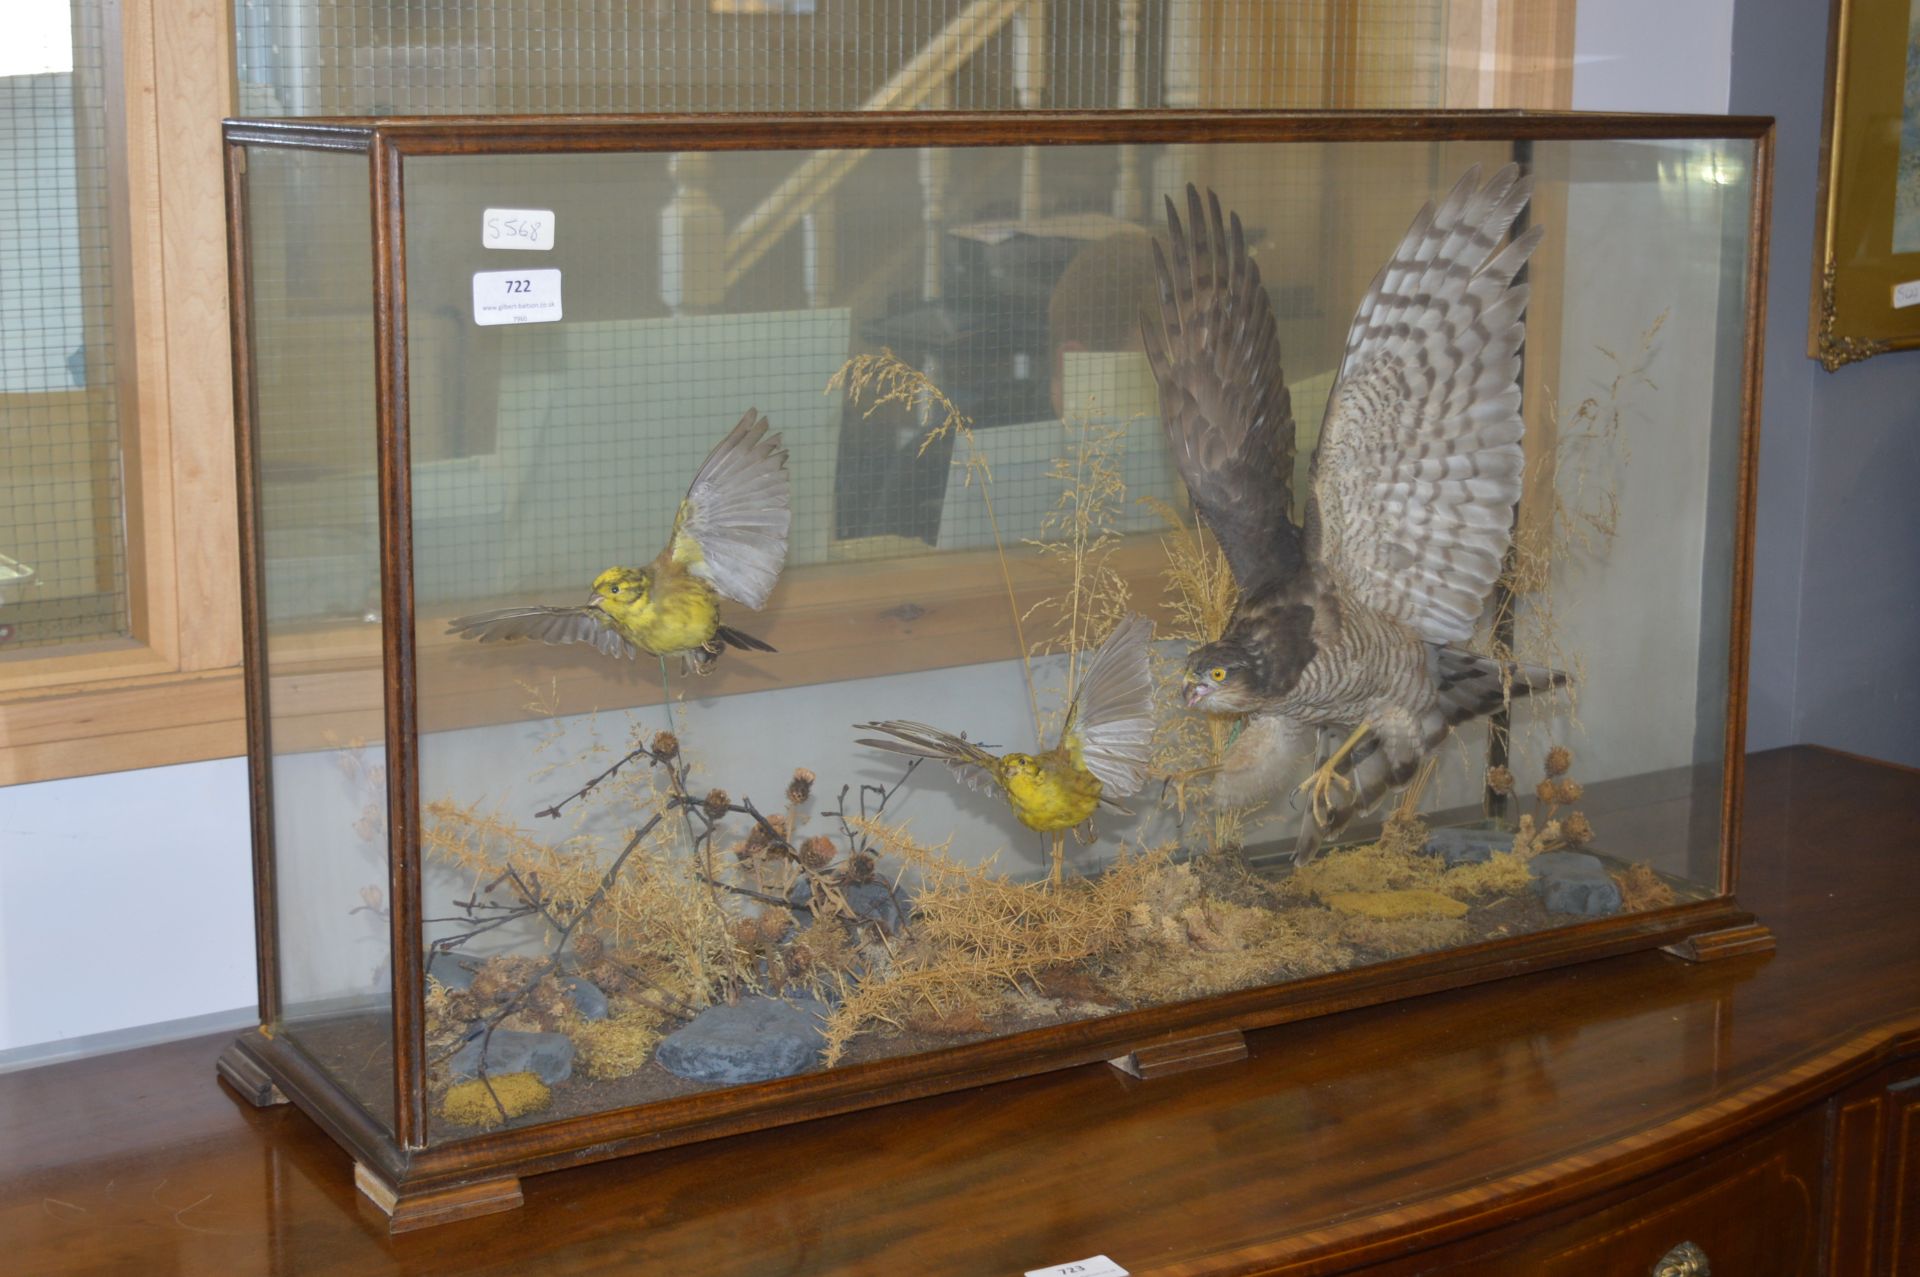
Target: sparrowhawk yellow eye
x=1218 y=674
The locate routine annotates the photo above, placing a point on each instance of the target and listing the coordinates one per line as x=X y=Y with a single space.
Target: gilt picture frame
x=1866 y=266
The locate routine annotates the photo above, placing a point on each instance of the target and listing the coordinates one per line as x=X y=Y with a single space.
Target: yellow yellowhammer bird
x=729 y=541
x=1102 y=753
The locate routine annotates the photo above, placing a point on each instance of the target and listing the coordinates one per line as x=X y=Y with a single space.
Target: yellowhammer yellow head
x=622 y=585
x=1021 y=764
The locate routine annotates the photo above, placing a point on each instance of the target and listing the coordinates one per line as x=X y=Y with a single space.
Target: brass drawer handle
x=1684 y=1260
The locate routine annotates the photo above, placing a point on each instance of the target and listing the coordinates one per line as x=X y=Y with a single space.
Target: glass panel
x=311 y=258
x=585 y=328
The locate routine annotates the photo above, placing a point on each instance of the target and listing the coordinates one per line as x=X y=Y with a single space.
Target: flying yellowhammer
x=729 y=541
x=1101 y=755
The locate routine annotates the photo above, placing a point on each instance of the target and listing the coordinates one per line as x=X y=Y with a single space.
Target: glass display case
x=749 y=618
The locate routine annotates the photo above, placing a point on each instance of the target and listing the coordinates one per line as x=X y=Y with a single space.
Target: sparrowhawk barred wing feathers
x=1419 y=465
x=1223 y=400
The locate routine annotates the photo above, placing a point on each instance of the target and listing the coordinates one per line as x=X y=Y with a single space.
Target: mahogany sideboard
x=1759 y=1115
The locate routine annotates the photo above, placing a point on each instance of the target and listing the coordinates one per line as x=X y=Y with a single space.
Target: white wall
x=1655 y=55
x=1837 y=561
x=125 y=899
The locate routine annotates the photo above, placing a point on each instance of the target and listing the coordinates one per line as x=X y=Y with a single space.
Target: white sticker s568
x=521 y=228
x=516 y=296
x=1907 y=294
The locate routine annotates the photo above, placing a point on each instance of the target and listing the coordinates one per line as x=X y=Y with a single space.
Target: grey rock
x=870 y=899
x=1468 y=846
x=451 y=968
x=754 y=1040
x=549 y=1055
x=586 y=997
x=1574 y=882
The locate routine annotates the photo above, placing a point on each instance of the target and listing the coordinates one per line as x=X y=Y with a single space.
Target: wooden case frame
x=418 y=1184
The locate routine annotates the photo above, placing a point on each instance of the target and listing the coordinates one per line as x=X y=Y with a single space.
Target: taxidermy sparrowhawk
x=1348 y=621
x=729 y=540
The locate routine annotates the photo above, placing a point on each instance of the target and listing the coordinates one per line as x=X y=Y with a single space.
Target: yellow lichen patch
x=1396 y=937
x=1369 y=867
x=1397 y=905
x=1502 y=874
x=1399 y=863
x=469 y=1104
x=616 y=1046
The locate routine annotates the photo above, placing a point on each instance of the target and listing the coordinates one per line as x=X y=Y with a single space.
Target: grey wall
x=1836 y=646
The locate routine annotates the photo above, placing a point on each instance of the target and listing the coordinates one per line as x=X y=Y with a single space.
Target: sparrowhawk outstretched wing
x=1419 y=466
x=1223 y=400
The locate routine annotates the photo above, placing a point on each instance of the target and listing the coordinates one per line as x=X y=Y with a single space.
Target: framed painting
x=1866 y=285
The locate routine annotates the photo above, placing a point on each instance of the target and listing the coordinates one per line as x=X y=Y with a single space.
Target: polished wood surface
x=1499 y=1124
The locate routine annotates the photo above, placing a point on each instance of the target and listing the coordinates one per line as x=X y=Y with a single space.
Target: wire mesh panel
x=63 y=574
x=311 y=57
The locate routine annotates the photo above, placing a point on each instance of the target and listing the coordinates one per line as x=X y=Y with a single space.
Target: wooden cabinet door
x=1901 y=1218
x=1752 y=1208
x=1873 y=1219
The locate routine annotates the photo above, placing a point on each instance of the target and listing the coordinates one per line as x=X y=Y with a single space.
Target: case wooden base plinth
x=408 y=1209
x=1729 y=942
x=248 y=1078
x=1163 y=1059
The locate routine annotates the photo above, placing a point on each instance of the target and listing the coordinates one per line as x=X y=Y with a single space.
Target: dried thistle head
x=1545 y=791
x=763 y=839
x=460 y=1007
x=665 y=746
x=549 y=1001
x=800 y=788
x=1559 y=759
x=1577 y=829
x=746 y=932
x=493 y=980
x=1500 y=780
x=1568 y=790
x=860 y=867
x=817 y=852
x=716 y=803
x=588 y=949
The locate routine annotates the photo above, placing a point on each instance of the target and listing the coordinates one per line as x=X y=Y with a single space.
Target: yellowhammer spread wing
x=1110 y=724
x=963 y=758
x=548 y=624
x=732 y=527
